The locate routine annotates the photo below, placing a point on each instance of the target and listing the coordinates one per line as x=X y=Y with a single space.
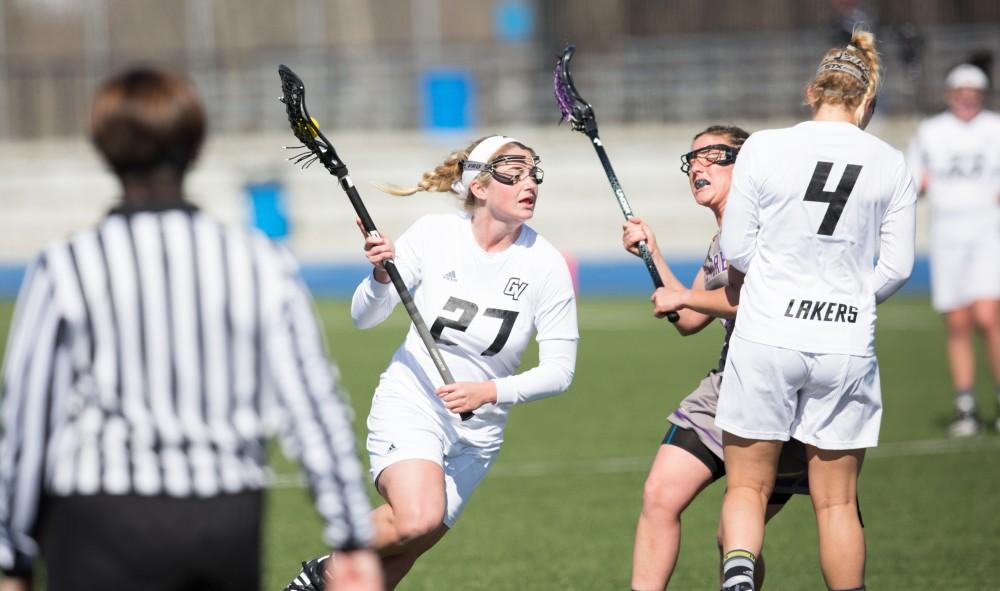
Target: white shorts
x=965 y=268
x=400 y=430
x=826 y=400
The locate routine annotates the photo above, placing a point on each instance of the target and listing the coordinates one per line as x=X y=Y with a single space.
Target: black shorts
x=104 y=542
x=793 y=476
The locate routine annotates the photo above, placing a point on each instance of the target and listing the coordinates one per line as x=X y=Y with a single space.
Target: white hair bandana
x=478 y=155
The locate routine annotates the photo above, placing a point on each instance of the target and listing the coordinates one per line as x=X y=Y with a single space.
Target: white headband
x=479 y=154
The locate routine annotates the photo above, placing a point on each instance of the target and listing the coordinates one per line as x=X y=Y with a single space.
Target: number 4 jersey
x=810 y=210
x=481 y=308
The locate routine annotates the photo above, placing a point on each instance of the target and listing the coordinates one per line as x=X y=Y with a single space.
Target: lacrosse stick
x=318 y=147
x=581 y=117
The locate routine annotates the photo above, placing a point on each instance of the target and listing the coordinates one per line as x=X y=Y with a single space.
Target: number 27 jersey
x=810 y=209
x=481 y=308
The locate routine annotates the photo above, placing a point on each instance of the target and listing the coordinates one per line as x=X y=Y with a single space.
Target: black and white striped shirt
x=142 y=357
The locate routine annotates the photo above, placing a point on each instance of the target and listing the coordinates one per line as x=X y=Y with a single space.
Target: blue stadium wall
x=594 y=278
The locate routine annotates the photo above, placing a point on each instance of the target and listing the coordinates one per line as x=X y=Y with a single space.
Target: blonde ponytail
x=440 y=179
x=864 y=42
x=444 y=176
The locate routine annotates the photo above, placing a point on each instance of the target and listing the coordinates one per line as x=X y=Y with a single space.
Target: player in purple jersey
x=690 y=456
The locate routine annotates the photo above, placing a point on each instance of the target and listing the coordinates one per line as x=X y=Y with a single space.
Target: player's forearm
x=896 y=251
x=552 y=375
x=666 y=274
x=891 y=274
x=373 y=302
x=719 y=303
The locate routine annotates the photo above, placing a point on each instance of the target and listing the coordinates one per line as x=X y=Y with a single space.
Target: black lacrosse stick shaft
x=647 y=257
x=616 y=187
x=401 y=289
x=307 y=131
x=581 y=116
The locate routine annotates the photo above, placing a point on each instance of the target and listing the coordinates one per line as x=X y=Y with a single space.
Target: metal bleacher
x=651 y=95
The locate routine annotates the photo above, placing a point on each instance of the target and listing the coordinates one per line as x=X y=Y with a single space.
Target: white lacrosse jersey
x=961 y=161
x=482 y=309
x=810 y=209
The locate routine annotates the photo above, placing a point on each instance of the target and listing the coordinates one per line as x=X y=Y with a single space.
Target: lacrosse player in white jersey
x=485 y=282
x=810 y=209
x=955 y=157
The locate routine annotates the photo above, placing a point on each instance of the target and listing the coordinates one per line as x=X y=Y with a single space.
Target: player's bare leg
x=961 y=354
x=962 y=362
x=833 y=486
x=986 y=316
x=397 y=565
x=759 y=565
x=674 y=480
x=414 y=490
x=751 y=467
x=412 y=519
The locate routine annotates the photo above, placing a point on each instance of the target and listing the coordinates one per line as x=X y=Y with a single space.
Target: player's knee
x=959 y=323
x=659 y=500
x=416 y=524
x=830 y=502
x=751 y=489
x=986 y=322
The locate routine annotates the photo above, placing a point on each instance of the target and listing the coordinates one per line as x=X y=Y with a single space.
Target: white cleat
x=965 y=427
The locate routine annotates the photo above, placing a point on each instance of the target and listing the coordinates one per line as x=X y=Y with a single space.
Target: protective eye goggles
x=720 y=154
x=515 y=169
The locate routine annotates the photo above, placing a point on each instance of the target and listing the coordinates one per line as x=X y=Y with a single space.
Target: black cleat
x=310 y=578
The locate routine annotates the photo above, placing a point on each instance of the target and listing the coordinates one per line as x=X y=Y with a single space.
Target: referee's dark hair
x=144 y=118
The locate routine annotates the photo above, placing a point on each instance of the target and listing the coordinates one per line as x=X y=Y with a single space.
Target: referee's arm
x=319 y=419
x=32 y=363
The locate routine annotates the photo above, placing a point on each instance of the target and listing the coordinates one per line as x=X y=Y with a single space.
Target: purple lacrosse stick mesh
x=572 y=106
x=562 y=93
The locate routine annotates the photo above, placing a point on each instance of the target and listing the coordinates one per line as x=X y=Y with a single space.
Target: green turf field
x=559 y=508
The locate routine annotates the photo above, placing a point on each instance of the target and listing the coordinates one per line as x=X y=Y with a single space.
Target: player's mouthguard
x=700 y=183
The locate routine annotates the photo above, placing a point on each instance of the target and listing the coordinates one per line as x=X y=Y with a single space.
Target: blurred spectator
x=955 y=158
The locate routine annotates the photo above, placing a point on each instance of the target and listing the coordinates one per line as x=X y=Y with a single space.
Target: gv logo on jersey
x=515 y=287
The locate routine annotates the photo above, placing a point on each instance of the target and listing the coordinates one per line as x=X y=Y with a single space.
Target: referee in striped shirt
x=143 y=356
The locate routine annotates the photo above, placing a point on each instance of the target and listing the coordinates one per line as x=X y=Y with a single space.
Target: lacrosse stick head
x=574 y=109
x=305 y=127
